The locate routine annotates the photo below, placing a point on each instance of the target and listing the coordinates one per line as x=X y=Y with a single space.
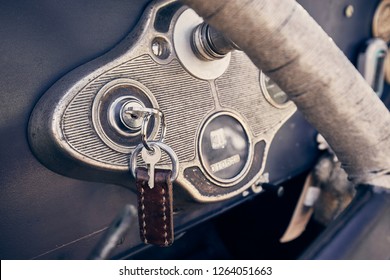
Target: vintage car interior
x=137 y=130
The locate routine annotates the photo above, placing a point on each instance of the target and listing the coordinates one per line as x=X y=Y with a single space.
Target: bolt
x=160 y=48
x=349 y=10
x=157 y=48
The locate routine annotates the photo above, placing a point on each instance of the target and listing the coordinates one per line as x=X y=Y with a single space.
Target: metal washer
x=182 y=36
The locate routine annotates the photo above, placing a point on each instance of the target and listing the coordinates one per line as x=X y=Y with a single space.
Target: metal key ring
x=144 y=131
x=146 y=113
x=145 y=123
x=164 y=147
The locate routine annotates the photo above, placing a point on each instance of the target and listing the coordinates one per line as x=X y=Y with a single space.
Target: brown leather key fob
x=155 y=206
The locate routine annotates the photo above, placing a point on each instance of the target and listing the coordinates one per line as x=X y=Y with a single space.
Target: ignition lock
x=117 y=128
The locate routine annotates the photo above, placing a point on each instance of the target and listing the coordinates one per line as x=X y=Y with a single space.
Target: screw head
x=160 y=48
x=348 y=11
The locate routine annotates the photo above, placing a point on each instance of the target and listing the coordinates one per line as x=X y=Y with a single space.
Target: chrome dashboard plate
x=63 y=136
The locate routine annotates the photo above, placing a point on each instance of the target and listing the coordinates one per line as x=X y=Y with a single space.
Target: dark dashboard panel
x=349 y=33
x=46 y=215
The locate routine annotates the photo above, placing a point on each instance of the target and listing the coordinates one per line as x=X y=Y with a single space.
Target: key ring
x=146 y=113
x=164 y=147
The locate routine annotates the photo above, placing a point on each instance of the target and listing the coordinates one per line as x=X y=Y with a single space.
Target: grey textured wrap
x=283 y=40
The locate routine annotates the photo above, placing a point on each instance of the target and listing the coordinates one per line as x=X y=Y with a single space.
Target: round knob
x=209 y=44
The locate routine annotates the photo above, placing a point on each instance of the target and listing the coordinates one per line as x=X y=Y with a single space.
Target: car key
x=151 y=158
x=154 y=185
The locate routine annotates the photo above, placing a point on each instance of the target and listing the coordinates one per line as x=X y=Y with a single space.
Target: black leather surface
x=45 y=215
x=41 y=41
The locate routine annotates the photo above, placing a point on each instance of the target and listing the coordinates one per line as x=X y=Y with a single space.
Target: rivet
x=348 y=11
